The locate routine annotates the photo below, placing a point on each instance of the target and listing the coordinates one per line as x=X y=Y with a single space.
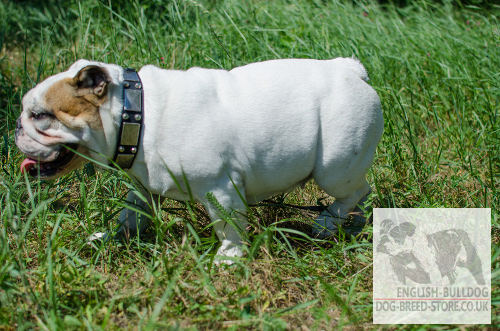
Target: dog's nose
x=19 y=127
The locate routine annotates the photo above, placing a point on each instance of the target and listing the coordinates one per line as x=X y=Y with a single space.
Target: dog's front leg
x=131 y=221
x=230 y=224
x=135 y=221
x=231 y=235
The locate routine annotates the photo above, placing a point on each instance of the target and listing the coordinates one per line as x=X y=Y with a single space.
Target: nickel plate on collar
x=133 y=100
x=125 y=160
x=131 y=75
x=130 y=134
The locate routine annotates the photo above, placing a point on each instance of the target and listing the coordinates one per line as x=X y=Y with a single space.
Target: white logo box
x=431 y=266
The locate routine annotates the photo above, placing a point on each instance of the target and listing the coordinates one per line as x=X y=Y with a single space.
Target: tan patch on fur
x=68 y=102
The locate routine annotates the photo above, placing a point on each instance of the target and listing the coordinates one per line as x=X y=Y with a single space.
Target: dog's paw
x=228 y=252
x=97 y=237
x=326 y=225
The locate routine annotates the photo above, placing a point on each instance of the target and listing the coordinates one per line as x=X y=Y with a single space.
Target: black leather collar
x=129 y=134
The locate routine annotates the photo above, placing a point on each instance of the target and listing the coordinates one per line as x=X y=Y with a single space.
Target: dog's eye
x=41 y=115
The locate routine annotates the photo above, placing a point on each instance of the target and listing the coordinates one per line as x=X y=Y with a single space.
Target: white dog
x=255 y=130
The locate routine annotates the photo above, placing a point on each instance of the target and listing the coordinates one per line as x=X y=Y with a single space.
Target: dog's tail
x=353 y=64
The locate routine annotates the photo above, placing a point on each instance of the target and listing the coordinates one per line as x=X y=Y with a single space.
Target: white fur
x=263 y=127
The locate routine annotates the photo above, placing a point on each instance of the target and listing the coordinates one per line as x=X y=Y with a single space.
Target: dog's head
x=79 y=109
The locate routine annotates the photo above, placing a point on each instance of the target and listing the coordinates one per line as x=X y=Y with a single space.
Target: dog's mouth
x=49 y=169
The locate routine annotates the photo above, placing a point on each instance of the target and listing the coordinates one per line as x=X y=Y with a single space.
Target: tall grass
x=434 y=65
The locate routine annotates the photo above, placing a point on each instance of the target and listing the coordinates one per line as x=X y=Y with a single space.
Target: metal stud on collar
x=129 y=133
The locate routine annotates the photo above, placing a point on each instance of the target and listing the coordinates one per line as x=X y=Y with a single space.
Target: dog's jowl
x=249 y=133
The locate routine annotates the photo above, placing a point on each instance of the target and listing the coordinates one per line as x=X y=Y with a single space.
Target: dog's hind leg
x=334 y=216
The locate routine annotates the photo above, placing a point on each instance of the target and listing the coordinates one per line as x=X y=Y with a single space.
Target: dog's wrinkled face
x=60 y=112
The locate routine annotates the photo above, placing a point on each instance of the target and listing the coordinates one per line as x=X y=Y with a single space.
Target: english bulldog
x=240 y=136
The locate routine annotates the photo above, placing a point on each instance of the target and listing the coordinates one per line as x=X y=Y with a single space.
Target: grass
x=435 y=67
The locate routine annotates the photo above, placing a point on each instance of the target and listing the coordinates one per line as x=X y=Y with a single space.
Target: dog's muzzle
x=42 y=160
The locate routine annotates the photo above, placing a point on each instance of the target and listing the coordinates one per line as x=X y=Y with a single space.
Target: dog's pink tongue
x=27 y=164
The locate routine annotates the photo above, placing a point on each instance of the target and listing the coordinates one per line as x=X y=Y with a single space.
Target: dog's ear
x=92 y=79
